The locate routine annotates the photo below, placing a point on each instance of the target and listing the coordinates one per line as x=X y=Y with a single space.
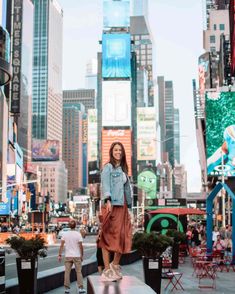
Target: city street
x=51 y=260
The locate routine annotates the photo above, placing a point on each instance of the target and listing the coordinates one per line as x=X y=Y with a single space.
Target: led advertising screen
x=116 y=103
x=116 y=56
x=45 y=150
x=204 y=72
x=92 y=152
x=220 y=133
x=116 y=13
x=114 y=135
x=147 y=181
x=146 y=133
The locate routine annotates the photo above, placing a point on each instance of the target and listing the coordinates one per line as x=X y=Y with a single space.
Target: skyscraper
x=142 y=39
x=47 y=70
x=72 y=144
x=176 y=135
x=169 y=118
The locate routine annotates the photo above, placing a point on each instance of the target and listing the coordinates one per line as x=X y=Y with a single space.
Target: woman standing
x=116 y=232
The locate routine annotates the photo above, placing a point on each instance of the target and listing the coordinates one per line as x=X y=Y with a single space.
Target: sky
x=177 y=31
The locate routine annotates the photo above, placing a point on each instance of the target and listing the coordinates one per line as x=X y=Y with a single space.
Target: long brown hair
x=123 y=162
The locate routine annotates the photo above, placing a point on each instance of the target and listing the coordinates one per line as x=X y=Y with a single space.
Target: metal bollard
x=2 y=271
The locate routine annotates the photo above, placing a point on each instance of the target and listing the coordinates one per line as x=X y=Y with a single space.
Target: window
x=212 y=49
x=212 y=39
x=214 y=27
x=221 y=27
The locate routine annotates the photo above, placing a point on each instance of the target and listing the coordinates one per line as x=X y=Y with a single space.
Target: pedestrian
x=116 y=230
x=219 y=246
x=195 y=237
x=72 y=240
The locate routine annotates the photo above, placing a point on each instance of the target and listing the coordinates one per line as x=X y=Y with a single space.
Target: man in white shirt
x=73 y=255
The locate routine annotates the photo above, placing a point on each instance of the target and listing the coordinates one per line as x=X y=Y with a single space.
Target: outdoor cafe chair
x=174 y=279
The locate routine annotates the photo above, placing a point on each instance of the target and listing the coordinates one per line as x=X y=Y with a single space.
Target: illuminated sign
x=116 y=13
x=114 y=135
x=116 y=56
x=92 y=152
x=16 y=58
x=116 y=103
x=220 y=133
x=45 y=150
x=146 y=133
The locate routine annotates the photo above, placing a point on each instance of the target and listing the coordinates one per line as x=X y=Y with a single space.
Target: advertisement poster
x=45 y=150
x=92 y=135
x=220 y=133
x=116 y=13
x=116 y=57
x=146 y=133
x=117 y=135
x=116 y=103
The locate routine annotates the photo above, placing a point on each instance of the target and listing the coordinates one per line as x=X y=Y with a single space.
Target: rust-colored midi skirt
x=116 y=232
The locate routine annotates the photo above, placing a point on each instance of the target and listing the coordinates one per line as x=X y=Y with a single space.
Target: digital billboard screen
x=204 y=72
x=116 y=56
x=220 y=133
x=147 y=181
x=92 y=148
x=117 y=135
x=116 y=103
x=45 y=150
x=116 y=13
x=146 y=133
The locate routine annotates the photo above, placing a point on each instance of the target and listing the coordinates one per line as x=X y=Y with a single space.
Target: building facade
x=84 y=96
x=22 y=62
x=72 y=145
x=169 y=120
x=143 y=48
x=47 y=70
x=53 y=180
x=176 y=135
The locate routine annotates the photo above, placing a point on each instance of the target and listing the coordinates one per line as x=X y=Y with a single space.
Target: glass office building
x=47 y=70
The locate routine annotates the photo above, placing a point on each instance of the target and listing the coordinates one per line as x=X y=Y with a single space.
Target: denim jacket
x=113 y=186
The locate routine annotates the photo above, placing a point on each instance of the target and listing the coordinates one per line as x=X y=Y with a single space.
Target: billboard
x=146 y=133
x=116 y=103
x=220 y=133
x=147 y=181
x=92 y=152
x=45 y=150
x=116 y=13
x=204 y=72
x=116 y=56
x=113 y=135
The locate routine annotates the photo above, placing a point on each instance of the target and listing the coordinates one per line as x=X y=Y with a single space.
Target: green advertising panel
x=220 y=133
x=147 y=180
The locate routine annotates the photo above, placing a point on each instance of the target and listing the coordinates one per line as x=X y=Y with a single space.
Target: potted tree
x=151 y=246
x=27 y=261
x=178 y=238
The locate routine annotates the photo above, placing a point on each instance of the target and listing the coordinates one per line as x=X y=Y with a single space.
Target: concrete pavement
x=224 y=281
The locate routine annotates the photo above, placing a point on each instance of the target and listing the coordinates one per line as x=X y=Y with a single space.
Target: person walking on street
x=72 y=240
x=116 y=230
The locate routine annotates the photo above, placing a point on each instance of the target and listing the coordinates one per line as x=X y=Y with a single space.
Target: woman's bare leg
x=117 y=257
x=105 y=254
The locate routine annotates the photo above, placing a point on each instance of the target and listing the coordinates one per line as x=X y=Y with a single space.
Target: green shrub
x=178 y=237
x=30 y=248
x=150 y=244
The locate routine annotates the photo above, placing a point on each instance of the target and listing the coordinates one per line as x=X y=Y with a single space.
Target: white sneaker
x=109 y=276
x=117 y=269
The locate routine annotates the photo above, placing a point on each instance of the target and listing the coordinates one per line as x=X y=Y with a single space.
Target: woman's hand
x=108 y=206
